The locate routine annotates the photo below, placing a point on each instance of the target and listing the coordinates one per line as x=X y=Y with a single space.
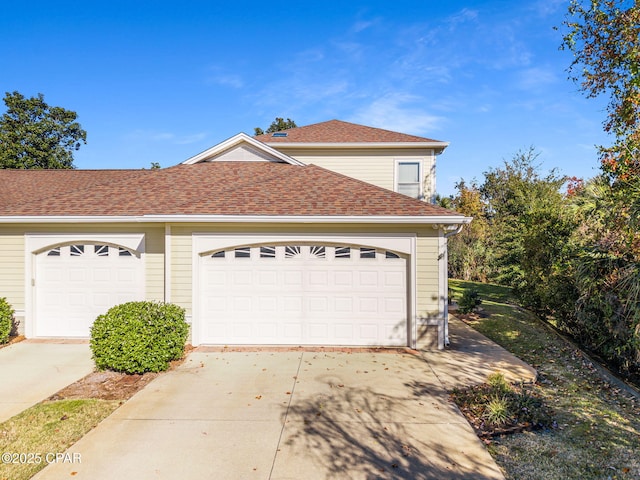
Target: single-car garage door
x=76 y=283
x=298 y=294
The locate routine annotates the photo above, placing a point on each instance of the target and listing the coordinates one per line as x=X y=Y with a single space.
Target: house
x=258 y=238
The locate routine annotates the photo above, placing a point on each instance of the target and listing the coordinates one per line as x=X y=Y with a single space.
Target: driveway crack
x=286 y=415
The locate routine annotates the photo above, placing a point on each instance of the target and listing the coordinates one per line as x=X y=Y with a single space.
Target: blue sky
x=159 y=81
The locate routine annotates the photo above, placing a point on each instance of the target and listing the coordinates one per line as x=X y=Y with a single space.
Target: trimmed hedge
x=139 y=337
x=6 y=320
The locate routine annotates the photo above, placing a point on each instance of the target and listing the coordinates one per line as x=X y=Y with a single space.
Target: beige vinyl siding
x=181 y=266
x=12 y=268
x=375 y=166
x=12 y=255
x=427 y=276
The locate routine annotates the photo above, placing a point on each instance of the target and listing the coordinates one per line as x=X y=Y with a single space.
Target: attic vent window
x=279 y=134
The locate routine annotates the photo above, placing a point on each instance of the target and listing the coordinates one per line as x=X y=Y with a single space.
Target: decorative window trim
x=242 y=252
x=292 y=251
x=267 y=251
x=420 y=183
x=367 y=253
x=318 y=251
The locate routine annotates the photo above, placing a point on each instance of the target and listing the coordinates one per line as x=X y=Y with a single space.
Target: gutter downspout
x=445 y=259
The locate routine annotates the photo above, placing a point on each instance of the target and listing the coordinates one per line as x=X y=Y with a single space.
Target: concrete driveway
x=285 y=415
x=33 y=371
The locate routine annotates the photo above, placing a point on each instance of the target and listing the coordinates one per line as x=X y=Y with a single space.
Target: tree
x=34 y=135
x=471 y=251
x=604 y=36
x=277 y=125
x=530 y=229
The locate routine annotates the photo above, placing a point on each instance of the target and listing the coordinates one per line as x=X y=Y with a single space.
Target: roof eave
x=389 y=219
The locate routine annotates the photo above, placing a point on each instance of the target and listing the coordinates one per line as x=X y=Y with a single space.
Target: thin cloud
x=536 y=78
x=399 y=112
x=166 y=137
x=220 y=76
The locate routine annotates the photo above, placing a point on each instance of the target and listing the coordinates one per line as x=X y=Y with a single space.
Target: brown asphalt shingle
x=337 y=131
x=208 y=188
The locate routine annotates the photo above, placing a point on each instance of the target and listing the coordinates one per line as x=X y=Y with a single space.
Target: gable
x=243 y=153
x=241 y=148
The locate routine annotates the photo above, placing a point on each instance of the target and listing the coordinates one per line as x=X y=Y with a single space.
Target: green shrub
x=139 y=337
x=6 y=320
x=470 y=300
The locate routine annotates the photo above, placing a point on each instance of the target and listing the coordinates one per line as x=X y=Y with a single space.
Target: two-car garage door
x=299 y=294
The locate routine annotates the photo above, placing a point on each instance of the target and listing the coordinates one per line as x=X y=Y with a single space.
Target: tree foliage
x=572 y=256
x=604 y=36
x=277 y=125
x=471 y=251
x=34 y=135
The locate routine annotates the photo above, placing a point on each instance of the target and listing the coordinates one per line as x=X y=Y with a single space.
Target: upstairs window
x=408 y=181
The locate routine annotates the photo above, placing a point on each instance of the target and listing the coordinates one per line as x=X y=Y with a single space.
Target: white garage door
x=303 y=294
x=76 y=283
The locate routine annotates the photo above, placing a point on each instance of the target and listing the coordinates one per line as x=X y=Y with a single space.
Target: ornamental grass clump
x=497 y=407
x=139 y=337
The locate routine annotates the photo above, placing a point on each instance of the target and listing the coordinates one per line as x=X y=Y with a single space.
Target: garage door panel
x=298 y=294
x=343 y=278
x=318 y=304
x=293 y=277
x=368 y=305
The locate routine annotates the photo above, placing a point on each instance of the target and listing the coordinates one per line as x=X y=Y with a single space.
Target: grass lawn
x=598 y=432
x=44 y=430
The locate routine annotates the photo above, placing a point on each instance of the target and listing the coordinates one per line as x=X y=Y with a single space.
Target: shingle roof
x=337 y=131
x=208 y=188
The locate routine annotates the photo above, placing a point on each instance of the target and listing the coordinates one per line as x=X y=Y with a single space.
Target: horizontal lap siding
x=181 y=268
x=427 y=278
x=12 y=267
x=375 y=166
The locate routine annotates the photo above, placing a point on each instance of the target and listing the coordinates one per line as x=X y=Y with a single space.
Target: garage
x=302 y=293
x=75 y=283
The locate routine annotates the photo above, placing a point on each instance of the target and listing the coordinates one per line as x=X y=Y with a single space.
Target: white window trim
x=396 y=176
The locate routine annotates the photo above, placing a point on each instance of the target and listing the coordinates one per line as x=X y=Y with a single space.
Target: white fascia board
x=428 y=220
x=399 y=219
x=70 y=219
x=236 y=140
